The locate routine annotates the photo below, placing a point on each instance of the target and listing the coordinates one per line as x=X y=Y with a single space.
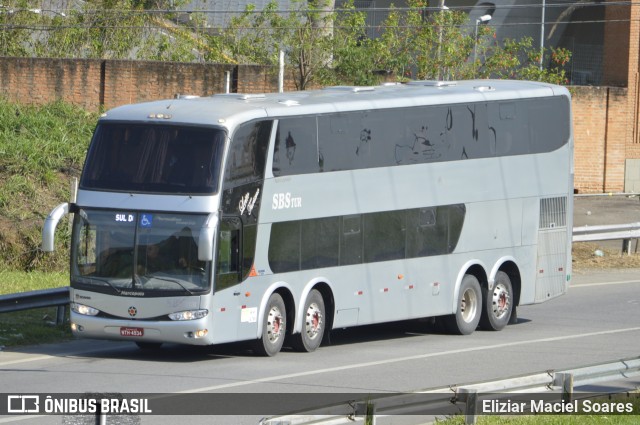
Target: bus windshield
x=153 y=158
x=151 y=254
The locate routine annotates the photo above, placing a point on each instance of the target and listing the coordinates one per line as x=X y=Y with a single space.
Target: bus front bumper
x=192 y=332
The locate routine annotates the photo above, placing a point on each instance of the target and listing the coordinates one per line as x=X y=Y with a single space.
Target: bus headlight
x=84 y=309
x=189 y=315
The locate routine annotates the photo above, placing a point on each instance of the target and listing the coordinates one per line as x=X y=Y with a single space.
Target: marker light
x=189 y=315
x=84 y=310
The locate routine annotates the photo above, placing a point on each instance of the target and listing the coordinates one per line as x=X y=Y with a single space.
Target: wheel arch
x=285 y=292
x=475 y=268
x=322 y=286
x=509 y=266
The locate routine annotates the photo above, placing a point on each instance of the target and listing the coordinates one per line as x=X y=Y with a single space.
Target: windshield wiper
x=99 y=280
x=172 y=281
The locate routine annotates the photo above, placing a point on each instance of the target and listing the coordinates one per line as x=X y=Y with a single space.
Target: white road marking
x=404 y=359
x=621 y=282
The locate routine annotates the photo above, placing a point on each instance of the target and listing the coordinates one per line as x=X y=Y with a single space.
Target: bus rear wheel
x=467 y=316
x=274 y=327
x=310 y=337
x=498 y=304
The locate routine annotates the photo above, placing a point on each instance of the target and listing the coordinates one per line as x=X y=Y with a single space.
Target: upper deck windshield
x=154 y=158
x=152 y=254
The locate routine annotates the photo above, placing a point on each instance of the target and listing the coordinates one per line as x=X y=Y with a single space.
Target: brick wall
x=633 y=144
x=45 y=80
x=604 y=117
x=589 y=133
x=109 y=83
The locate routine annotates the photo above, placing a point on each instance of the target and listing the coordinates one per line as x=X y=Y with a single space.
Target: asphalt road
x=597 y=321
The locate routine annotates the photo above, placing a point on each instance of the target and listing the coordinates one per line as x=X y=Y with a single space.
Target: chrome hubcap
x=275 y=324
x=469 y=305
x=313 y=321
x=501 y=301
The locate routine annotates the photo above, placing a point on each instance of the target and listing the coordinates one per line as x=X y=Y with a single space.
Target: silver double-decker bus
x=207 y=220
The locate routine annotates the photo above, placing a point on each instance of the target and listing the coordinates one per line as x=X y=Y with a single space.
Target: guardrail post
x=626 y=246
x=565 y=382
x=470 y=398
x=61 y=313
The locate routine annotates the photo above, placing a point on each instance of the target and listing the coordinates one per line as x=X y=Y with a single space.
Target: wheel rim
x=313 y=322
x=501 y=301
x=469 y=305
x=275 y=324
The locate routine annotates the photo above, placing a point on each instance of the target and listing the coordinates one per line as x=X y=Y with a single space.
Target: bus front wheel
x=310 y=336
x=498 y=304
x=274 y=327
x=467 y=316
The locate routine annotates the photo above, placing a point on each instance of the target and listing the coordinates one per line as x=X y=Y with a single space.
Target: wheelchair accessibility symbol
x=146 y=220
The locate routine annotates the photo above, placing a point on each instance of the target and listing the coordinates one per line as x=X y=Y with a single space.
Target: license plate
x=131 y=331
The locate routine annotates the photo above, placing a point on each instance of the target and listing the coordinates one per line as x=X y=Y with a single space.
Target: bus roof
x=228 y=110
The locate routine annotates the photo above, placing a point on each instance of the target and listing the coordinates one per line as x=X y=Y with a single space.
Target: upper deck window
x=134 y=157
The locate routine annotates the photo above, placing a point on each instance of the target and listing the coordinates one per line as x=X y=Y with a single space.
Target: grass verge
x=31 y=327
x=12 y=282
x=36 y=326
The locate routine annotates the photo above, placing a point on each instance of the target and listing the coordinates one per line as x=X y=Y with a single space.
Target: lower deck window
x=364 y=238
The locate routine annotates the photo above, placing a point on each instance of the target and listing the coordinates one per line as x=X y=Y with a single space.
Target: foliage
x=105 y=29
x=304 y=34
x=334 y=48
x=445 y=45
x=40 y=147
x=31 y=327
x=321 y=45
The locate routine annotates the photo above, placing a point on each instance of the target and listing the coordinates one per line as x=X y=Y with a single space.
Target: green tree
x=304 y=34
x=18 y=24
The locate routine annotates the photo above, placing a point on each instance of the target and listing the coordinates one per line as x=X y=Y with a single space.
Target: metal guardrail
x=464 y=399
x=608 y=232
x=626 y=232
x=55 y=297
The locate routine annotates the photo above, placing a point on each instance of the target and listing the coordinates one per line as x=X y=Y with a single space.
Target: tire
x=514 y=315
x=310 y=336
x=274 y=328
x=498 y=304
x=467 y=316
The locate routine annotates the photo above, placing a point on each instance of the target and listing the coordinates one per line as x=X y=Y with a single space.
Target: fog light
x=74 y=327
x=201 y=333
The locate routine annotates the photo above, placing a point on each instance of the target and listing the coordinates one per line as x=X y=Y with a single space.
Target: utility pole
x=441 y=8
x=542 y=33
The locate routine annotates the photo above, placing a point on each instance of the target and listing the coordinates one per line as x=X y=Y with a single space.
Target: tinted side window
x=296 y=147
x=319 y=243
x=549 y=124
x=419 y=135
x=384 y=236
x=284 y=247
x=365 y=238
x=351 y=240
x=228 y=269
x=247 y=154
